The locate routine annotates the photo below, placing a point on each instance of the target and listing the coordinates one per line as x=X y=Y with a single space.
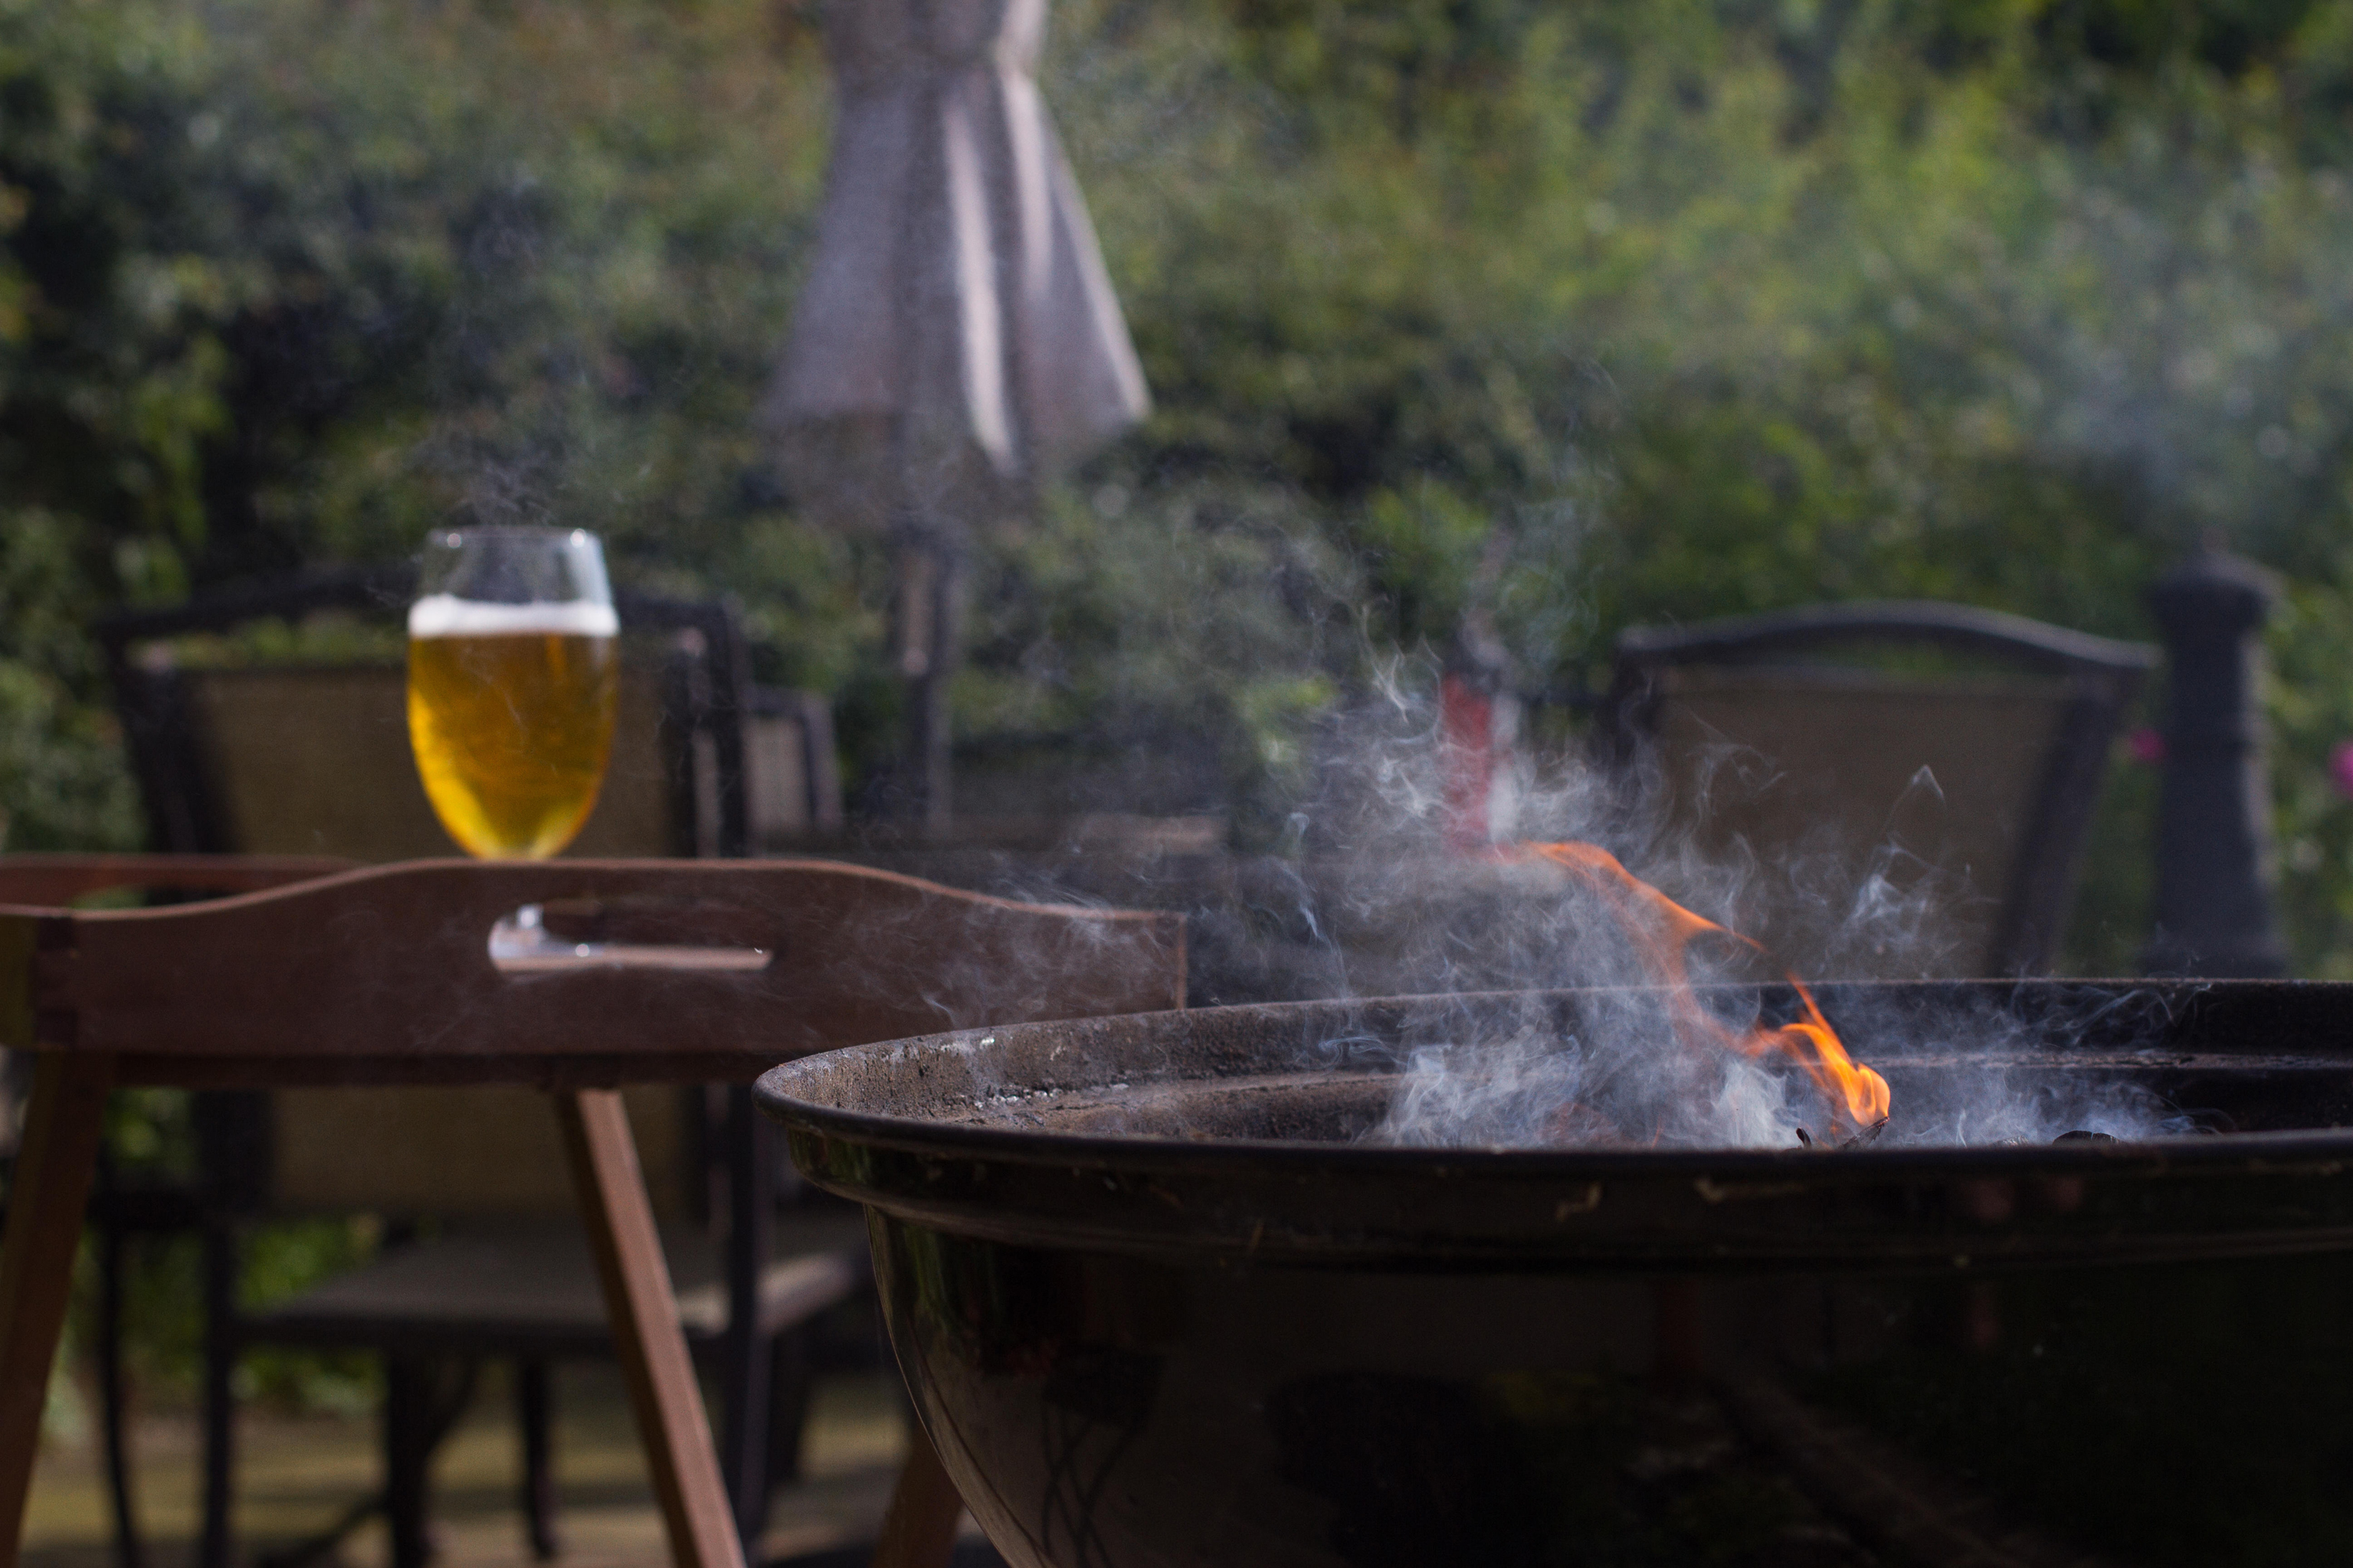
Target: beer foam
x=447 y=615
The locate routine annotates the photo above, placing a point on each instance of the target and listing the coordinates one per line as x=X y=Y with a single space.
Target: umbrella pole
x=930 y=639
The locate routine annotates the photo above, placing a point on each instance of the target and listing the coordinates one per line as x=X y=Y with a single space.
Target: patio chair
x=707 y=972
x=1956 y=754
x=273 y=757
x=312 y=757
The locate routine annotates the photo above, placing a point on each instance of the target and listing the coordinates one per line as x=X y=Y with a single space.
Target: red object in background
x=1478 y=729
x=2341 y=768
x=1466 y=727
x=1478 y=722
x=2146 y=746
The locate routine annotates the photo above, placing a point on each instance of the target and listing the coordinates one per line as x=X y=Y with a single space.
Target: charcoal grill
x=1157 y=1305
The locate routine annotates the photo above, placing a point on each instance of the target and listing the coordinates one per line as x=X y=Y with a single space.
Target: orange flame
x=1663 y=930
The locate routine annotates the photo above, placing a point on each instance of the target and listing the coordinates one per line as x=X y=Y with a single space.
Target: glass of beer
x=514 y=674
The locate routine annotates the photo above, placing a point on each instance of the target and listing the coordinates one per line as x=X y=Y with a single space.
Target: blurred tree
x=1588 y=316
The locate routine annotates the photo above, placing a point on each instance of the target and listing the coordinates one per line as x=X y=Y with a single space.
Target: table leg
x=55 y=1161
x=919 y=1529
x=654 y=1360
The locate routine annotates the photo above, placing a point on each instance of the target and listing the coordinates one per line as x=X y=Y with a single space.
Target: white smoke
x=1419 y=919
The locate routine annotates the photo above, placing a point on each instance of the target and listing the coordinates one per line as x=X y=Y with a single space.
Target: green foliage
x=1595 y=323
x=2312 y=713
x=1584 y=319
x=1581 y=318
x=107 y=360
x=286 y=283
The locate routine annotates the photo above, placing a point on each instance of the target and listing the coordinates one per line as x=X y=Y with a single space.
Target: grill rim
x=1353 y=1205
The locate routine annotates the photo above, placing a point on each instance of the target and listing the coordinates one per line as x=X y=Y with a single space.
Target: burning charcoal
x=2080 y=1136
x=1868 y=1136
x=1860 y=1141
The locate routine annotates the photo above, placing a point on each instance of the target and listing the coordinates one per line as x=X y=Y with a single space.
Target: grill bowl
x=1156 y=1306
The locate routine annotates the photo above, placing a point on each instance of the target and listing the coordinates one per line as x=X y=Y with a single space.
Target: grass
x=297 y=1473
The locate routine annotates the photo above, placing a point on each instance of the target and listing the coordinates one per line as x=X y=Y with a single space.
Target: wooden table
x=699 y=971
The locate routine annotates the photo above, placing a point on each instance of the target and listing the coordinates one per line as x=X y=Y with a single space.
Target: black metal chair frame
x=2102 y=676
x=707 y=696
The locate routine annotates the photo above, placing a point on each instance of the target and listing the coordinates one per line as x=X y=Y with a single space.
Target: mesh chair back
x=309 y=759
x=1827 y=772
x=1923 y=818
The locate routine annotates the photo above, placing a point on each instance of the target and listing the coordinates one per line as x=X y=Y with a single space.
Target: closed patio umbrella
x=957 y=339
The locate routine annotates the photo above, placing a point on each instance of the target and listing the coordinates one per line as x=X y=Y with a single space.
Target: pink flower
x=2146 y=746
x=2341 y=768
